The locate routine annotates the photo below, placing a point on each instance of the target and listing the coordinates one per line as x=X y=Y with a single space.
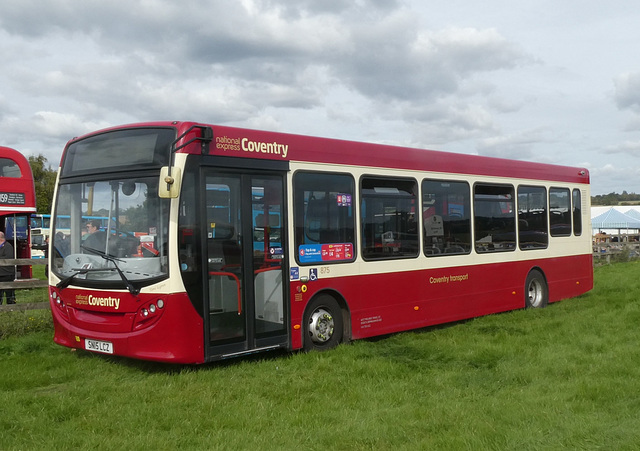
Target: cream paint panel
x=558 y=246
x=174 y=283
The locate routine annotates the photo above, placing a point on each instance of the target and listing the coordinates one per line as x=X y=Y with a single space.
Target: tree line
x=616 y=199
x=44 y=179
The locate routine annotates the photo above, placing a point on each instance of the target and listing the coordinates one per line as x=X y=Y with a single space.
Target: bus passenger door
x=245 y=308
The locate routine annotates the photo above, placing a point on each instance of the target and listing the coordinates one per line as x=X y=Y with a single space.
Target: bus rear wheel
x=323 y=324
x=536 y=291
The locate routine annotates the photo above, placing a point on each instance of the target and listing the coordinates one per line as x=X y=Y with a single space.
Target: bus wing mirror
x=169 y=184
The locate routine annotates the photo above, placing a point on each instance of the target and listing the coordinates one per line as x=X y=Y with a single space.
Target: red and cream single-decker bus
x=222 y=241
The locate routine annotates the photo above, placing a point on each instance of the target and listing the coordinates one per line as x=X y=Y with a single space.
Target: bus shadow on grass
x=151 y=367
x=489 y=328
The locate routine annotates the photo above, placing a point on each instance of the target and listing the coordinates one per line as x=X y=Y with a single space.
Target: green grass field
x=566 y=377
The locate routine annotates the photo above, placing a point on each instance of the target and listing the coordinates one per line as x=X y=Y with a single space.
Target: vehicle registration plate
x=105 y=347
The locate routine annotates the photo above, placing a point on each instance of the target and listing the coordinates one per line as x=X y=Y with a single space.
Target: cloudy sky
x=549 y=81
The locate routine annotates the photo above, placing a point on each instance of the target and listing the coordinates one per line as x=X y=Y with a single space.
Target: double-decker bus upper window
x=119 y=150
x=131 y=222
x=494 y=218
x=9 y=168
x=532 y=217
x=324 y=217
x=389 y=223
x=446 y=210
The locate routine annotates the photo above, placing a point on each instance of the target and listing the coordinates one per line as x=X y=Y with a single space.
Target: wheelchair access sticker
x=313 y=274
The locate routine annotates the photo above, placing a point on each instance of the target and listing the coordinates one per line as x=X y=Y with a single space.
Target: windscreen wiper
x=64 y=283
x=133 y=290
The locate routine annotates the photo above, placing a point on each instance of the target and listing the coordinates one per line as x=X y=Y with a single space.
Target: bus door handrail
x=233 y=276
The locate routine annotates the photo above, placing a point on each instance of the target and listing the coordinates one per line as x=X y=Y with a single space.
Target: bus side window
x=494 y=218
x=577 y=212
x=446 y=222
x=533 y=232
x=388 y=213
x=560 y=211
x=323 y=215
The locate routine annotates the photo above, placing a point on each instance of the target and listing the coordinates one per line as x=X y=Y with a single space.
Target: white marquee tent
x=615 y=220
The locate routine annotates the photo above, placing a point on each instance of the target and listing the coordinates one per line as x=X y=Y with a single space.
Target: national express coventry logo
x=82 y=299
x=227 y=144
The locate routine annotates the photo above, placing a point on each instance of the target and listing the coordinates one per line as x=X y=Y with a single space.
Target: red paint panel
x=393 y=302
x=245 y=143
x=177 y=336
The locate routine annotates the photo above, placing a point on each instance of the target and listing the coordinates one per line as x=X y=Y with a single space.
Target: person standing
x=7 y=273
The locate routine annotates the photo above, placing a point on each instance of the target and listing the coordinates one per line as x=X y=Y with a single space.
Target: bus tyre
x=536 y=291
x=323 y=324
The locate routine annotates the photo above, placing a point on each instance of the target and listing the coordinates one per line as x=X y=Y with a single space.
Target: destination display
x=12 y=198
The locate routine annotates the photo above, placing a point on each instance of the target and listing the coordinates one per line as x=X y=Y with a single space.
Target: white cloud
x=631 y=148
x=520 y=146
x=627 y=92
x=475 y=78
x=61 y=126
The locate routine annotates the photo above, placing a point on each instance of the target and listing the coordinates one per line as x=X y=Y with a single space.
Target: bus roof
x=259 y=144
x=17 y=191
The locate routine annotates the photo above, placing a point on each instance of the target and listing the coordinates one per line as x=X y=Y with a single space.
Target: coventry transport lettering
x=450 y=278
x=226 y=144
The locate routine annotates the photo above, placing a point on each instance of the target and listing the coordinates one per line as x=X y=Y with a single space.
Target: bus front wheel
x=323 y=324
x=536 y=293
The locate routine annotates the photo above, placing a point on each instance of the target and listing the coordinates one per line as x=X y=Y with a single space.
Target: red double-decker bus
x=223 y=241
x=17 y=203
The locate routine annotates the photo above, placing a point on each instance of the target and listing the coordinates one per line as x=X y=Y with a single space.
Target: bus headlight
x=58 y=302
x=148 y=314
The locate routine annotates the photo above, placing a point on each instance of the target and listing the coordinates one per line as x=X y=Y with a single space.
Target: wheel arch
x=540 y=270
x=344 y=309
